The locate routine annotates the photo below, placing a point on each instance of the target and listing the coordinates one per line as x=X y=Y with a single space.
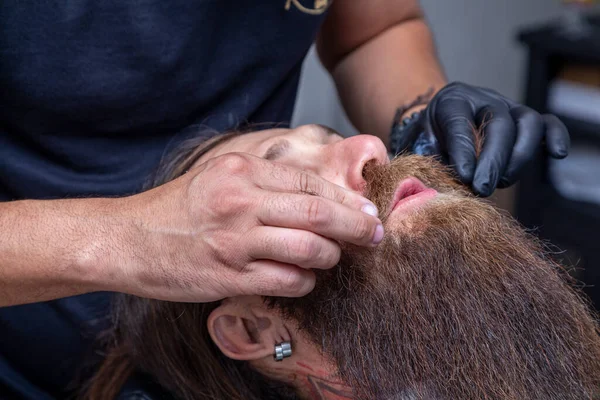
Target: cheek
x=317 y=163
x=334 y=176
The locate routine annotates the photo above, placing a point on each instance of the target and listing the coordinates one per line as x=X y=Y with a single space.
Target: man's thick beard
x=458 y=302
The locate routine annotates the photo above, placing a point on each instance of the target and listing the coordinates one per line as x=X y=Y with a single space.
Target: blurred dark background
x=546 y=54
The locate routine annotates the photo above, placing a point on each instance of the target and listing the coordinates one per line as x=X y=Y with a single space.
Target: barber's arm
x=235 y=225
x=43 y=246
x=382 y=57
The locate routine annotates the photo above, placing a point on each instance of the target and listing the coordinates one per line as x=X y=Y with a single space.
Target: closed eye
x=283 y=146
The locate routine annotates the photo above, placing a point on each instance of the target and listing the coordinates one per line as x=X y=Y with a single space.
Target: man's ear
x=243 y=328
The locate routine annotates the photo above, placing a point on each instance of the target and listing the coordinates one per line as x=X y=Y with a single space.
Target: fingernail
x=378 y=237
x=370 y=209
x=562 y=152
x=484 y=190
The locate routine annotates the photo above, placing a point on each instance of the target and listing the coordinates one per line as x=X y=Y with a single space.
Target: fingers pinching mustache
x=511 y=134
x=287 y=221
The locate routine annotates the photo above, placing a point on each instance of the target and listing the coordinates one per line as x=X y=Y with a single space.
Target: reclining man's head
x=457 y=302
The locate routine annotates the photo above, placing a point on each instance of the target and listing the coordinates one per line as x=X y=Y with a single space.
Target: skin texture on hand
x=234 y=224
x=238 y=224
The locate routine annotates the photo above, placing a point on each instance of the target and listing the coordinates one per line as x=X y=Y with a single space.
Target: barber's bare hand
x=239 y=225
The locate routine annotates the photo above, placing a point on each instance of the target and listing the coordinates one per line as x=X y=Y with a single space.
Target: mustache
x=382 y=180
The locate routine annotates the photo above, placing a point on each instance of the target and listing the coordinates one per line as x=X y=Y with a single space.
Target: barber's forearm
x=387 y=72
x=48 y=249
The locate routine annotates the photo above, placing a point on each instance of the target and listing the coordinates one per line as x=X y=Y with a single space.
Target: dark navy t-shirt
x=92 y=94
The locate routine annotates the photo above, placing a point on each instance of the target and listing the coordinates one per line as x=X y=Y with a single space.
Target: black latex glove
x=512 y=133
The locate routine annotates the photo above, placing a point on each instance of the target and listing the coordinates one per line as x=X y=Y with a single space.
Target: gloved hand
x=511 y=134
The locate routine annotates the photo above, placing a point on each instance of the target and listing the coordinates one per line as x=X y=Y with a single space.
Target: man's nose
x=355 y=152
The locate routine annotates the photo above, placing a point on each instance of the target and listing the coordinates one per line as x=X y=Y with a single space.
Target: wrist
x=407 y=123
x=405 y=131
x=104 y=246
x=57 y=248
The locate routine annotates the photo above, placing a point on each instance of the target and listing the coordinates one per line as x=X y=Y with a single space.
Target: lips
x=410 y=194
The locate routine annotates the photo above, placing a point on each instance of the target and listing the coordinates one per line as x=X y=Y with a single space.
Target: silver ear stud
x=283 y=350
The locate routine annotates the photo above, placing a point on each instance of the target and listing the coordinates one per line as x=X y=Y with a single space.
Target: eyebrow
x=281 y=147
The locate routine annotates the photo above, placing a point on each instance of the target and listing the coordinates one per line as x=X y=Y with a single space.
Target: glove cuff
x=405 y=132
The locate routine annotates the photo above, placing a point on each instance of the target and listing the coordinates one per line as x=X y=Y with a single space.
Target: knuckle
x=334 y=256
x=335 y=193
x=300 y=181
x=233 y=163
x=532 y=117
x=306 y=184
x=327 y=257
x=317 y=213
x=552 y=121
x=292 y=282
x=307 y=248
x=341 y=197
x=532 y=125
x=220 y=250
x=232 y=203
x=502 y=126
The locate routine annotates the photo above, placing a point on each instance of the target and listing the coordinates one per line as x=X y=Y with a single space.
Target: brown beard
x=458 y=302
